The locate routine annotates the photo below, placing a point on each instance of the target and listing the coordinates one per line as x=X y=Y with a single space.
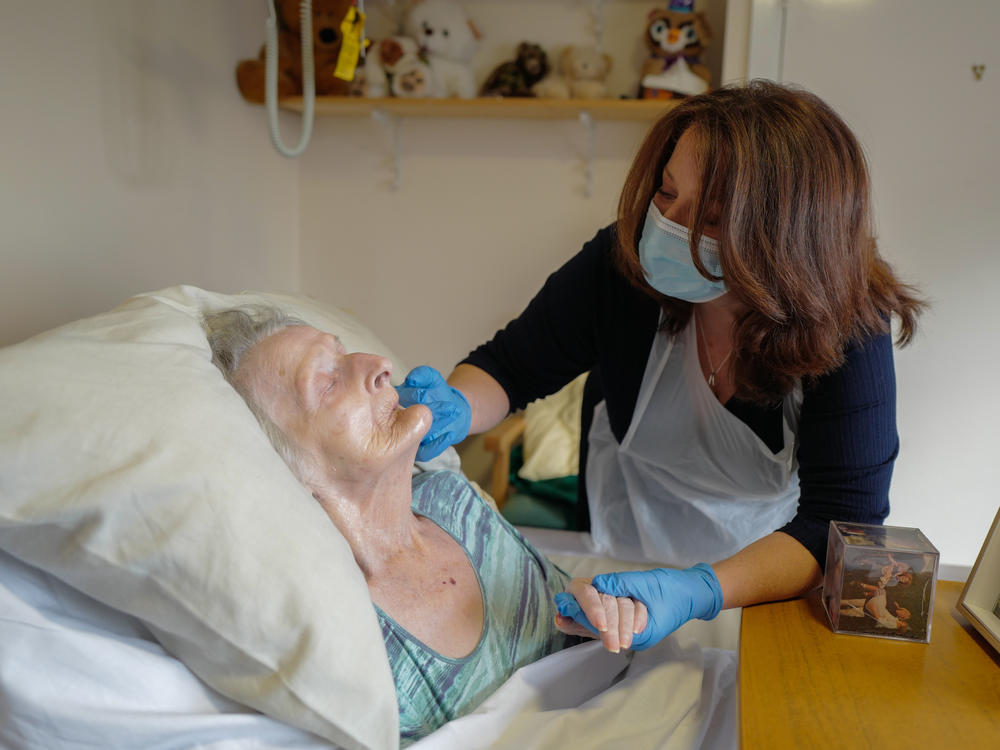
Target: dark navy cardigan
x=587 y=316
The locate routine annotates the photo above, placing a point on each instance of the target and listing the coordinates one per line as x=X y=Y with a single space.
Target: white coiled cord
x=308 y=78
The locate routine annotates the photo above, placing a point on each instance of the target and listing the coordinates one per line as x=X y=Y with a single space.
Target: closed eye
x=326 y=375
x=330 y=382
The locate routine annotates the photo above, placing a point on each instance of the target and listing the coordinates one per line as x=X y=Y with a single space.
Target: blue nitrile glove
x=672 y=597
x=451 y=412
x=569 y=607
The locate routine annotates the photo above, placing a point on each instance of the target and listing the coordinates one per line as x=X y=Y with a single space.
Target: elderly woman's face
x=339 y=408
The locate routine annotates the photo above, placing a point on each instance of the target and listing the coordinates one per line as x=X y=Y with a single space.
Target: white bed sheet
x=678 y=695
x=670 y=696
x=77 y=674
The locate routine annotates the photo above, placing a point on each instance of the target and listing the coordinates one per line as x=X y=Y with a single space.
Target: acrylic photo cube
x=880 y=581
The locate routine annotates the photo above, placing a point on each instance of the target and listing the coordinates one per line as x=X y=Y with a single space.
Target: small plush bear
x=393 y=68
x=516 y=77
x=581 y=74
x=413 y=80
x=675 y=38
x=448 y=40
x=327 y=16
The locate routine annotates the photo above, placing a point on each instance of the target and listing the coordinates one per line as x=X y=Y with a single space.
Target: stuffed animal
x=675 y=38
x=448 y=40
x=581 y=74
x=327 y=16
x=393 y=68
x=516 y=77
x=412 y=80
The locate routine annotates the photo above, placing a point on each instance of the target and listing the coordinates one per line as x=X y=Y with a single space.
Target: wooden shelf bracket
x=390 y=123
x=590 y=135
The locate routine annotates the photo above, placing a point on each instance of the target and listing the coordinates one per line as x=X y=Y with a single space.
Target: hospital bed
x=165 y=582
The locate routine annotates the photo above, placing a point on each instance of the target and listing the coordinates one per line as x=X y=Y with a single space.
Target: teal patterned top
x=517 y=584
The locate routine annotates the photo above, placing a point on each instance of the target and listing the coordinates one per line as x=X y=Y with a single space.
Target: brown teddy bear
x=327 y=15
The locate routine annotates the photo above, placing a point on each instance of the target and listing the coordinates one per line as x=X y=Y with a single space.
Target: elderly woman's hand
x=613 y=619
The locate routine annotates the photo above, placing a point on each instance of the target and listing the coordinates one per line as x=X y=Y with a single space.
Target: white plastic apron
x=690 y=482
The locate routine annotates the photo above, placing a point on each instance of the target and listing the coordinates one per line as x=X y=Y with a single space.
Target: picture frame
x=979 y=601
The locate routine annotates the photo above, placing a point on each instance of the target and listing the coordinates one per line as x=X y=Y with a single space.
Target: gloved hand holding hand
x=672 y=597
x=451 y=412
x=586 y=612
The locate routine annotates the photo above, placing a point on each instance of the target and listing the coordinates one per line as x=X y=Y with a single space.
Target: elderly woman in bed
x=463 y=600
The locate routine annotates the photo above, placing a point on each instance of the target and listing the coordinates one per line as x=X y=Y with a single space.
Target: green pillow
x=547 y=503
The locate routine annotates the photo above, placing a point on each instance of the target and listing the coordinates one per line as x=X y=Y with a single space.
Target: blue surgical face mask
x=665 y=255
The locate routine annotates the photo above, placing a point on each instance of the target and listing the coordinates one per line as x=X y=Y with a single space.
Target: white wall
x=485 y=208
x=929 y=128
x=129 y=161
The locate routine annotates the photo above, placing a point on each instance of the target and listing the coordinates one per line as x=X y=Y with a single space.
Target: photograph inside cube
x=880 y=581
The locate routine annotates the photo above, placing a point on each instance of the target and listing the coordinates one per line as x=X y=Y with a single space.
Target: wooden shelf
x=636 y=110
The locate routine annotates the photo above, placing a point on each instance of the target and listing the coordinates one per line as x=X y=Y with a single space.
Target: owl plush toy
x=676 y=38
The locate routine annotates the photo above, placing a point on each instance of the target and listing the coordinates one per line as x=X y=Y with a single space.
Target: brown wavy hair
x=796 y=234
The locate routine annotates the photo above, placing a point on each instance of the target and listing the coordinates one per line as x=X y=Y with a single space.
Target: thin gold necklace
x=712 y=368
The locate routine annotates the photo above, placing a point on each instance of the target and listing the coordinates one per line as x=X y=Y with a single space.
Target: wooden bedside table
x=803 y=686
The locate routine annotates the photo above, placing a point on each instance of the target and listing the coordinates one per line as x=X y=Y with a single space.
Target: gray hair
x=231 y=334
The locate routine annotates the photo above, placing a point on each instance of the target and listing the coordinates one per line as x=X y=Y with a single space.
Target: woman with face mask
x=735 y=321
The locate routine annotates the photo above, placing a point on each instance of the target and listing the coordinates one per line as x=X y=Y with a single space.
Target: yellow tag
x=351 y=29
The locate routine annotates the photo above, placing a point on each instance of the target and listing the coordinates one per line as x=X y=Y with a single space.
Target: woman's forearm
x=487 y=400
x=773 y=568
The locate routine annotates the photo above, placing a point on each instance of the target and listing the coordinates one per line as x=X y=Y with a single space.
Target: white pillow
x=552 y=434
x=132 y=471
